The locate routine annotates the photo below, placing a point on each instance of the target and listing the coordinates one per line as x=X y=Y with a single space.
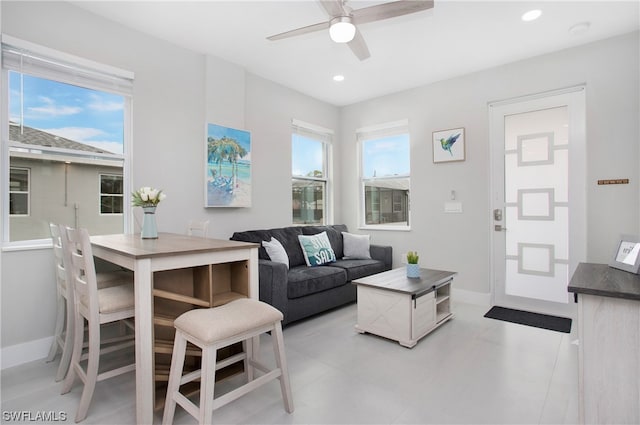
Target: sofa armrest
x=382 y=253
x=273 y=284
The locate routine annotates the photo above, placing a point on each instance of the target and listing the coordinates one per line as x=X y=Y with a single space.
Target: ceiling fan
x=344 y=20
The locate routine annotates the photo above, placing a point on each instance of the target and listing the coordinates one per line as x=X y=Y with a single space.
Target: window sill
x=27 y=245
x=386 y=227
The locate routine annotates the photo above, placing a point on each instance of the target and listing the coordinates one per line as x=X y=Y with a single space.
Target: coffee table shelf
x=404 y=309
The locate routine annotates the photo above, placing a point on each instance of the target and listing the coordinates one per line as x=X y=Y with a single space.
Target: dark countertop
x=600 y=279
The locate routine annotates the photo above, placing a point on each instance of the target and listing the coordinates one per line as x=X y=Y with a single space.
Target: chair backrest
x=198 y=228
x=81 y=270
x=61 y=274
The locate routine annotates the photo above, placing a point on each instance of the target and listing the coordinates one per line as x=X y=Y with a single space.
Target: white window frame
x=324 y=136
x=374 y=132
x=43 y=62
x=28 y=192
x=113 y=195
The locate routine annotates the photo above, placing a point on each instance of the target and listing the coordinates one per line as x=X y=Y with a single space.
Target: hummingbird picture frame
x=449 y=145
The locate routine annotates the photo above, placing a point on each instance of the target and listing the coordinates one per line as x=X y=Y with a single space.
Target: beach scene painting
x=228 y=169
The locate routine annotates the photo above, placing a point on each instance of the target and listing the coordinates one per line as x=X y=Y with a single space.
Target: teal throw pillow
x=317 y=249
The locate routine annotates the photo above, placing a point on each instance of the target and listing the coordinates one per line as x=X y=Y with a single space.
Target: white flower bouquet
x=147 y=197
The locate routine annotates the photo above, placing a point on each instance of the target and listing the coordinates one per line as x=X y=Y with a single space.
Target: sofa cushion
x=360 y=268
x=334 y=233
x=305 y=280
x=316 y=249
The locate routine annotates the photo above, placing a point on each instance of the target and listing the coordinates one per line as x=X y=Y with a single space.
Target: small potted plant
x=413 y=269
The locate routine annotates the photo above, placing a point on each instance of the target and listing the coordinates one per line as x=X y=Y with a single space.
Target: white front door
x=538 y=217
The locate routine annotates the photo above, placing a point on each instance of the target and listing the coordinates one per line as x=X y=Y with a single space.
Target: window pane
x=387 y=202
x=308 y=201
x=111 y=184
x=385 y=178
x=307 y=157
x=68 y=137
x=388 y=156
x=111 y=204
x=18 y=180
x=18 y=204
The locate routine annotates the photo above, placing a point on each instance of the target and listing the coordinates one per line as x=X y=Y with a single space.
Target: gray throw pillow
x=356 y=247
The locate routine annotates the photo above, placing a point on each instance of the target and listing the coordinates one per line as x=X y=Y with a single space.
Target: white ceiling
x=454 y=38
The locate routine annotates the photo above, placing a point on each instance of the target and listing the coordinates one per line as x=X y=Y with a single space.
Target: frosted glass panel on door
x=536 y=204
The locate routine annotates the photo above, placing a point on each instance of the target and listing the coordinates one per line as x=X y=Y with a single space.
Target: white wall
x=460 y=242
x=176 y=92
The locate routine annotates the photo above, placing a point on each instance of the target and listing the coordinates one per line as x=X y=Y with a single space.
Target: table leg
x=145 y=391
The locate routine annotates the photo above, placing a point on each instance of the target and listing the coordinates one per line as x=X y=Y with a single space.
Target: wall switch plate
x=453 y=207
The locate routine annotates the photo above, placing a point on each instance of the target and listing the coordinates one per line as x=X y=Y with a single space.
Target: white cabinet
x=402 y=309
x=609 y=338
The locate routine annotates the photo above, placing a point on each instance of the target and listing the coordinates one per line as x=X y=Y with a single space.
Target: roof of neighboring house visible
x=32 y=136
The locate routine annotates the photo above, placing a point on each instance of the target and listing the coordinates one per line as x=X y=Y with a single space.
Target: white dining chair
x=110 y=304
x=62 y=336
x=198 y=228
x=64 y=327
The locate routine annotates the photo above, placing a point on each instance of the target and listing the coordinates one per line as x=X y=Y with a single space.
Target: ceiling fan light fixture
x=531 y=15
x=342 y=30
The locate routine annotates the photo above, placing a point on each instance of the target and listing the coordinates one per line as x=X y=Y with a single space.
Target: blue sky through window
x=307 y=156
x=386 y=157
x=87 y=116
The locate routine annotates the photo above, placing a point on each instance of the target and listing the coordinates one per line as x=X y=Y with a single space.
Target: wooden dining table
x=148 y=256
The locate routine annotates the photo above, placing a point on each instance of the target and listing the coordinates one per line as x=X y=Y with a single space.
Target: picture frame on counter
x=626 y=255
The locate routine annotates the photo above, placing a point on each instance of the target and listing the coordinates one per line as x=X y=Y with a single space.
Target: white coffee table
x=404 y=309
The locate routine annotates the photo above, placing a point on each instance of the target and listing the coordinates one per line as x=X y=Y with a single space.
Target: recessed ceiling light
x=338 y=78
x=531 y=15
x=580 y=28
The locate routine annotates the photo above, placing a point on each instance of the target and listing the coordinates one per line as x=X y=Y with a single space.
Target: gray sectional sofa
x=302 y=291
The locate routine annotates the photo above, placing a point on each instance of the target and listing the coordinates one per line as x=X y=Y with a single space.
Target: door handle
x=499 y=228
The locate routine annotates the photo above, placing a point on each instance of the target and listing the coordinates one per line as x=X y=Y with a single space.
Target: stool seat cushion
x=215 y=324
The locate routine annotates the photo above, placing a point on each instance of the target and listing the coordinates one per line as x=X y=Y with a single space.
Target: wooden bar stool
x=214 y=328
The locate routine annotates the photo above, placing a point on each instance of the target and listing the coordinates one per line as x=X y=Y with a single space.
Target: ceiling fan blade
x=359 y=47
x=299 y=31
x=333 y=7
x=389 y=10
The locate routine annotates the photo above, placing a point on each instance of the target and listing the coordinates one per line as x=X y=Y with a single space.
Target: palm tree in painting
x=225 y=149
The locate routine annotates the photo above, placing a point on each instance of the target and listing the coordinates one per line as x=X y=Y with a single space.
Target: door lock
x=497 y=214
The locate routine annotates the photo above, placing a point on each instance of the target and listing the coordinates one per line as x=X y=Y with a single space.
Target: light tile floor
x=472 y=370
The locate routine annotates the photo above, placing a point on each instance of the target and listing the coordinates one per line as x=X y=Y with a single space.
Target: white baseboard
x=18 y=354
x=471 y=297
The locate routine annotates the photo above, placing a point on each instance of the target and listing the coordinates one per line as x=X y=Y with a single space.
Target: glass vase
x=149 y=228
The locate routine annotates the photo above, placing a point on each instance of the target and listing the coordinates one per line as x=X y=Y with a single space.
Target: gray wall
x=177 y=92
x=48 y=202
x=461 y=241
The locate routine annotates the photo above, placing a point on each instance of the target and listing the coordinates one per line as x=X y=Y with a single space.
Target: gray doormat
x=544 y=321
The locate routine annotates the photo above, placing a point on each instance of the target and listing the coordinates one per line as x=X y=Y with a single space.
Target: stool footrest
x=246 y=388
x=186 y=404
